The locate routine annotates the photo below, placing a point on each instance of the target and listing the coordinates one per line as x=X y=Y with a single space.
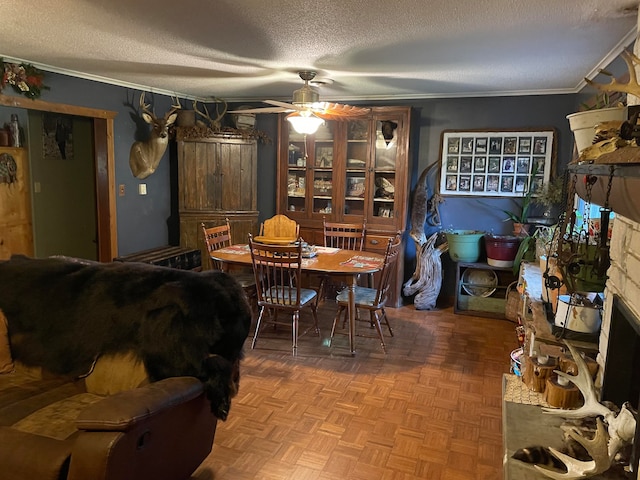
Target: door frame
x=104 y=158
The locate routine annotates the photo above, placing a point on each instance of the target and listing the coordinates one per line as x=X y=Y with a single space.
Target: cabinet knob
x=374 y=242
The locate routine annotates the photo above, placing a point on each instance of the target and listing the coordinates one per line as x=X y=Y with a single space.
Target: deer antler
x=214 y=124
x=175 y=106
x=605 y=444
x=584 y=382
x=145 y=107
x=597 y=448
x=631 y=86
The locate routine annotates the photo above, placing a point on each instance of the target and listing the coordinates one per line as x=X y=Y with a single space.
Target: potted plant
x=520 y=216
x=604 y=108
x=549 y=197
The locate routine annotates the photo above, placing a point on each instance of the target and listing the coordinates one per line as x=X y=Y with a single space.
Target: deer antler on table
x=606 y=443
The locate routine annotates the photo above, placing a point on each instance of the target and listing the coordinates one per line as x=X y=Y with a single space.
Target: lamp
x=304 y=122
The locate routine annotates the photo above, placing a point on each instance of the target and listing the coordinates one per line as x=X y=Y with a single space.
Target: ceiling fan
x=308 y=113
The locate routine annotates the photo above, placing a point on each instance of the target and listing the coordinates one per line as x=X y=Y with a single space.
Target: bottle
x=14 y=130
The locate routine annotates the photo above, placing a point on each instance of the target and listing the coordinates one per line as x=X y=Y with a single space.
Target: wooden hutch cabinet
x=348 y=171
x=217 y=178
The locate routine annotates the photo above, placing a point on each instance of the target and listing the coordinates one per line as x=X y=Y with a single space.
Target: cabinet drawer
x=376 y=243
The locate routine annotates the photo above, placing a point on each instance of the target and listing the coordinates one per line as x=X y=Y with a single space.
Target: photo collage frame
x=495 y=164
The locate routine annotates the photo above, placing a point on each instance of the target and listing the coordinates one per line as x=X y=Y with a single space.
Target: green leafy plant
x=524 y=203
x=551 y=193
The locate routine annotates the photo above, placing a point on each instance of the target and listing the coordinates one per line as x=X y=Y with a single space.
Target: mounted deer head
x=213 y=124
x=144 y=157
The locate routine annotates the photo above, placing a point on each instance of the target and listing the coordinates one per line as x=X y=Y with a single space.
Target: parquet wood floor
x=428 y=409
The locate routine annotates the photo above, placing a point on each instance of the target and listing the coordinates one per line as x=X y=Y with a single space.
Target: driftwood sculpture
x=427 y=278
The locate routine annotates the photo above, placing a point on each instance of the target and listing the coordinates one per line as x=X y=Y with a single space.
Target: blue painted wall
x=150 y=221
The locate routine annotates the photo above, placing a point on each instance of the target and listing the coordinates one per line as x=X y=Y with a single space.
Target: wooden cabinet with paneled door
x=217 y=179
x=16 y=228
x=348 y=171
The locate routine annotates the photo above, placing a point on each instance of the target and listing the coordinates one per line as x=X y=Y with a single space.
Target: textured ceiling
x=247 y=50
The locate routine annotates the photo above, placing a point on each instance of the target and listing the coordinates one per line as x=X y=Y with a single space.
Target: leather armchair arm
x=123 y=411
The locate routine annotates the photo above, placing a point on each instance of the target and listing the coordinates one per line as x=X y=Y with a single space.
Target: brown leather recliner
x=113 y=424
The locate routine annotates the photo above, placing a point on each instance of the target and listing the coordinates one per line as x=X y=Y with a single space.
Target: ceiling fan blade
x=262 y=110
x=290 y=106
x=337 y=111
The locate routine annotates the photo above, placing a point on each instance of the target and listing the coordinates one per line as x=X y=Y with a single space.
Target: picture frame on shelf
x=496 y=163
x=324 y=157
x=355 y=187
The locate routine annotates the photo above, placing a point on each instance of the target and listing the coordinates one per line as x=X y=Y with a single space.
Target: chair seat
x=280 y=294
x=364 y=296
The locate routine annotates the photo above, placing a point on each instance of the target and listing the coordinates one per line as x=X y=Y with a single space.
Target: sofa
x=140 y=408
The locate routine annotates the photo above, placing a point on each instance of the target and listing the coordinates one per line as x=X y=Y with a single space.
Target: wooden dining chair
x=372 y=299
x=349 y=236
x=278 y=270
x=219 y=237
x=280 y=226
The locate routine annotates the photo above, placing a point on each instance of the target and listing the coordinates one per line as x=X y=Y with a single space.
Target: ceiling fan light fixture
x=304 y=122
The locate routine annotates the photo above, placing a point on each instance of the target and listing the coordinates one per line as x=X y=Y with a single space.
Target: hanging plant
x=24 y=78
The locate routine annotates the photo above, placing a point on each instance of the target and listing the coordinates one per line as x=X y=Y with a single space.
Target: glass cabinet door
x=358 y=137
x=296 y=173
x=321 y=166
x=310 y=172
x=384 y=168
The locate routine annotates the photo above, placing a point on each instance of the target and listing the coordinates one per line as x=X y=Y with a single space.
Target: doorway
x=103 y=165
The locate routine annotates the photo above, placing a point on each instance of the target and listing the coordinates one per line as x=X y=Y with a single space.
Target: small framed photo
x=465 y=164
x=452 y=183
x=539 y=145
x=324 y=157
x=452 y=164
x=494 y=165
x=453 y=145
x=524 y=145
x=510 y=145
x=479 y=164
x=465 y=183
x=507 y=184
x=355 y=187
x=493 y=183
x=467 y=145
x=508 y=165
x=523 y=165
x=478 y=183
x=481 y=145
x=495 y=145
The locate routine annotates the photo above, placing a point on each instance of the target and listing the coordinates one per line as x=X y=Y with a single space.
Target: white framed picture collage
x=495 y=163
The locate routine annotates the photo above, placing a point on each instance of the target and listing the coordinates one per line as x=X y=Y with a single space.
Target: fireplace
x=621 y=380
x=619 y=342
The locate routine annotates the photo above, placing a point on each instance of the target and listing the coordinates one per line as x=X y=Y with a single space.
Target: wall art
x=500 y=163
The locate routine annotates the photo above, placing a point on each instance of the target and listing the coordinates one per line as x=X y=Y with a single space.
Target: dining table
x=325 y=261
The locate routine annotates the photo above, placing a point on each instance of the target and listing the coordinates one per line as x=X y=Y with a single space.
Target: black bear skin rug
x=64 y=313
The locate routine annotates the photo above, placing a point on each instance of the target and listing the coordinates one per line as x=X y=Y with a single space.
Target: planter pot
x=464 y=245
x=501 y=249
x=583 y=123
